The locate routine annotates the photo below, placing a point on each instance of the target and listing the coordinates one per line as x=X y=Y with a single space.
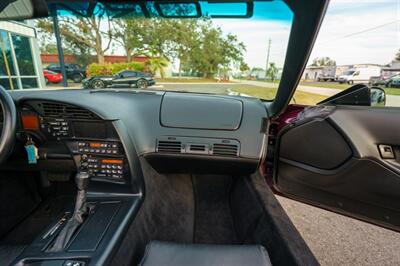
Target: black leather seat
x=166 y=253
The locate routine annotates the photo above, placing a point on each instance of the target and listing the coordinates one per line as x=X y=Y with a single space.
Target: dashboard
x=105 y=131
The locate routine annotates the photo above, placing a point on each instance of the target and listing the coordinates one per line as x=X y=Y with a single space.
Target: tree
x=397 y=58
x=84 y=34
x=131 y=35
x=214 y=51
x=244 y=67
x=272 y=72
x=157 y=64
x=323 y=61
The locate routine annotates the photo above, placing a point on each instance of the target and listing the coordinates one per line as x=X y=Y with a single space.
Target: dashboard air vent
x=169 y=146
x=197 y=147
x=225 y=149
x=66 y=111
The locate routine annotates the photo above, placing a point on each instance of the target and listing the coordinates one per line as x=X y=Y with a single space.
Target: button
x=74 y=263
x=386 y=151
x=116 y=176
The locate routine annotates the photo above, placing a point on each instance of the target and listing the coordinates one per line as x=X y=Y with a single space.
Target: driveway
x=339 y=240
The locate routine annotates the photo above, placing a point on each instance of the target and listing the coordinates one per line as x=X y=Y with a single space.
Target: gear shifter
x=80 y=212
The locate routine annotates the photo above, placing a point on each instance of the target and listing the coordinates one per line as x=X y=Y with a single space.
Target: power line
x=362 y=31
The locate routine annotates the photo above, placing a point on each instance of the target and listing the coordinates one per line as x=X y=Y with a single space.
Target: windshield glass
x=205 y=47
x=348 y=73
x=350 y=50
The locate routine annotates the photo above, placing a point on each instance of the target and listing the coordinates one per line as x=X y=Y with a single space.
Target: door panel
x=332 y=160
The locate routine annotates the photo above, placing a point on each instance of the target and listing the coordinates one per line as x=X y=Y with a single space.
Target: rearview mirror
x=22 y=9
x=360 y=95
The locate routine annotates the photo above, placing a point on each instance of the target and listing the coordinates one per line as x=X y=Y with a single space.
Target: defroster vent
x=66 y=111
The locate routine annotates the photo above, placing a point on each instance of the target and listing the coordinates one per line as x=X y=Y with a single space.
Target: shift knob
x=82 y=180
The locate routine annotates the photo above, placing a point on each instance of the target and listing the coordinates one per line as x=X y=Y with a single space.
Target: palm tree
x=157 y=64
x=272 y=71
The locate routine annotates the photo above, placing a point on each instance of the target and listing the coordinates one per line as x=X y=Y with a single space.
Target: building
x=390 y=70
x=20 y=64
x=312 y=72
x=48 y=59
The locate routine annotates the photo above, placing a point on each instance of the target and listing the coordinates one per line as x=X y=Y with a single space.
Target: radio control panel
x=102 y=159
x=109 y=148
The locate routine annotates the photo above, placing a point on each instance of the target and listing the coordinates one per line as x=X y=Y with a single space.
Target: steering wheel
x=9 y=124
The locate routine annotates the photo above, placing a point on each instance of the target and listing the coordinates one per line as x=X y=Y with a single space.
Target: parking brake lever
x=80 y=213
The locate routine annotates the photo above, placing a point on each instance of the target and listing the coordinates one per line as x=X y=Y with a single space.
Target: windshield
x=348 y=73
x=206 y=47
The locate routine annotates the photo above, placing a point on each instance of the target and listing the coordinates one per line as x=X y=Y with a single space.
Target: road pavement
x=339 y=240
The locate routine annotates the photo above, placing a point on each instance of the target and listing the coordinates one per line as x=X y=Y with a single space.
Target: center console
x=66 y=132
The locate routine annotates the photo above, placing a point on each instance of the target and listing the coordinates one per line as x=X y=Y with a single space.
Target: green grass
x=300 y=97
x=392 y=91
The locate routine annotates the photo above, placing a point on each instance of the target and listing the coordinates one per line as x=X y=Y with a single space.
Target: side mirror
x=359 y=95
x=22 y=9
x=378 y=97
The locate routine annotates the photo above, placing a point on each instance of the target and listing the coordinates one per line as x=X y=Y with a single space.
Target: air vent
x=197 y=147
x=66 y=111
x=225 y=149
x=169 y=146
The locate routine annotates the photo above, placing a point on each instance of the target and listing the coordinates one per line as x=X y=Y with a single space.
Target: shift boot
x=80 y=212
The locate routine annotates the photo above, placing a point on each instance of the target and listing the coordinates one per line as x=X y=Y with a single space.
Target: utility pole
x=59 y=49
x=267 y=64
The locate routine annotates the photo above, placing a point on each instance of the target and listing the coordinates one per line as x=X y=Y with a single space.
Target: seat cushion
x=165 y=253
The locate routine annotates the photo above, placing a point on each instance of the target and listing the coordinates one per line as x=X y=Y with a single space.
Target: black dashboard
x=112 y=134
x=175 y=131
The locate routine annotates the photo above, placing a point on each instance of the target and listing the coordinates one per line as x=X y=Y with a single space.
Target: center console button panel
x=109 y=148
x=103 y=160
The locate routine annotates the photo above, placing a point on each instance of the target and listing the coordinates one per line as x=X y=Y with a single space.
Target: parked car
x=123 y=78
x=326 y=77
x=75 y=72
x=51 y=76
x=393 y=82
x=358 y=75
x=380 y=80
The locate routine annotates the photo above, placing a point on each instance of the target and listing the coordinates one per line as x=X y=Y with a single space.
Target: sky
x=353 y=32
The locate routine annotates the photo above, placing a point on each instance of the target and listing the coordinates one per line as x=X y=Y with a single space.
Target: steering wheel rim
x=9 y=124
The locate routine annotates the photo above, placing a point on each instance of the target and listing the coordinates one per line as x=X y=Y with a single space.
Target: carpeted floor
x=213 y=220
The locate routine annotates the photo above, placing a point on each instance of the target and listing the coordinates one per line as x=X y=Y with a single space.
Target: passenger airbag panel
x=200 y=112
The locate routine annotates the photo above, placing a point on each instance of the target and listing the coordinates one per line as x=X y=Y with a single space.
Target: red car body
x=52 y=77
